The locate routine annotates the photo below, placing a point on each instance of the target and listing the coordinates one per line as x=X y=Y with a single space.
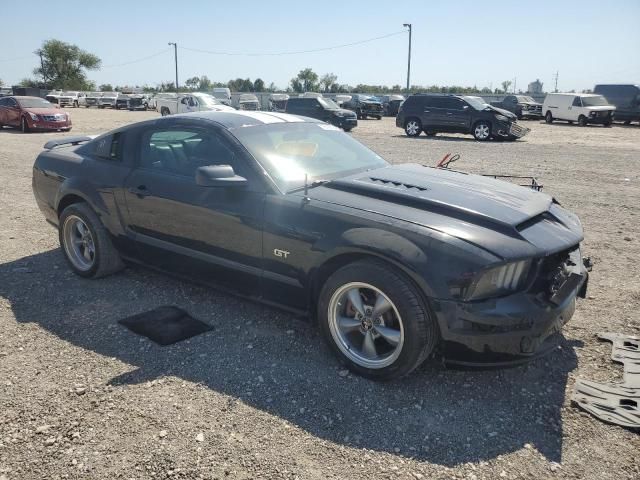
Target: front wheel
x=582 y=121
x=75 y=104
x=375 y=320
x=86 y=243
x=482 y=131
x=24 y=125
x=548 y=117
x=413 y=127
x=348 y=129
x=164 y=111
x=378 y=117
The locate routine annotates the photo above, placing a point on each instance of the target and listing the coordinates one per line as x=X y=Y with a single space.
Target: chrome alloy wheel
x=78 y=243
x=482 y=131
x=365 y=325
x=412 y=128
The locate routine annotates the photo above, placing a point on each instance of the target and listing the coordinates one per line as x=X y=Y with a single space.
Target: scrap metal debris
x=616 y=403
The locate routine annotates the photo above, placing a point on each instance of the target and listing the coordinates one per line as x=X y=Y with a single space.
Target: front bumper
x=510 y=130
x=371 y=111
x=49 y=125
x=601 y=118
x=508 y=330
x=344 y=122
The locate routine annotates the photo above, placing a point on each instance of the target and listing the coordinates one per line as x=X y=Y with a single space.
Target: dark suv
x=433 y=113
x=323 y=109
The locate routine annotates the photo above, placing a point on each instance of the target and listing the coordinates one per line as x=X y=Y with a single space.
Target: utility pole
x=44 y=77
x=556 y=87
x=514 y=85
x=175 y=53
x=409 y=58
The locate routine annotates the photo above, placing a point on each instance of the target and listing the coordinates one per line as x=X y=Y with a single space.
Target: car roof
x=245 y=118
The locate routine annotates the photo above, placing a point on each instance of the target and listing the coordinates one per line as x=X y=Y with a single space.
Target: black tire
x=412 y=127
x=378 y=117
x=582 y=121
x=570 y=122
x=87 y=106
x=548 y=117
x=481 y=130
x=430 y=133
x=607 y=123
x=419 y=326
x=347 y=130
x=24 y=125
x=627 y=122
x=164 y=111
x=75 y=104
x=106 y=259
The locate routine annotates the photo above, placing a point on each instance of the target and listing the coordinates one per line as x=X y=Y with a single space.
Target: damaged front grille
x=554 y=271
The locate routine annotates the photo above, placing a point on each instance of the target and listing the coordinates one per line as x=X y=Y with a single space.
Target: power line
x=297 y=52
x=138 y=60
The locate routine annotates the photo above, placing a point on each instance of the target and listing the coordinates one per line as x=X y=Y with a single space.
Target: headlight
x=339 y=114
x=525 y=107
x=33 y=116
x=592 y=114
x=502 y=118
x=499 y=280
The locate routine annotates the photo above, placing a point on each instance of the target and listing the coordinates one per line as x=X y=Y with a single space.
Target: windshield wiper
x=306 y=186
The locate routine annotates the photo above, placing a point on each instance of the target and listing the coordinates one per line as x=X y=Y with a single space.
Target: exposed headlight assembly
x=500 y=280
x=33 y=116
x=502 y=118
x=339 y=114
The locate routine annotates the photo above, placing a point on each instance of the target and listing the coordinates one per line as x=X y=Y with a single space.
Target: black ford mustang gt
x=396 y=262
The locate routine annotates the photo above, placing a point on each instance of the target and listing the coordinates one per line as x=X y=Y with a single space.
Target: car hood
x=345 y=112
x=490 y=213
x=600 y=108
x=535 y=104
x=44 y=111
x=502 y=111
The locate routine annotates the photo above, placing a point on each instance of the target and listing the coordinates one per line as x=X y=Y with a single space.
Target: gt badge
x=280 y=253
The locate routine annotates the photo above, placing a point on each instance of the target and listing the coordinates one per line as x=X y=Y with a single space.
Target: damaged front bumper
x=512 y=329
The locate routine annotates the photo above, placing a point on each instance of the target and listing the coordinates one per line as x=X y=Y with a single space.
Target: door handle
x=427 y=111
x=140 y=191
x=449 y=113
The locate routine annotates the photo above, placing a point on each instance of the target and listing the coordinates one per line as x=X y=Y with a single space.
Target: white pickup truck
x=189 y=102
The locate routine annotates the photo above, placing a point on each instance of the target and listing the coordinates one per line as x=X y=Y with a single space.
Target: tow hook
x=588 y=263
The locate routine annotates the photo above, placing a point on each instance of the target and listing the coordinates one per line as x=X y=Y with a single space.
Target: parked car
x=138 y=102
x=626 y=99
x=364 y=106
x=248 y=101
x=122 y=101
x=53 y=96
x=192 y=102
x=31 y=114
x=278 y=102
x=522 y=105
x=92 y=99
x=108 y=99
x=584 y=108
x=396 y=262
x=223 y=94
x=71 y=99
x=323 y=109
x=340 y=99
x=391 y=104
x=435 y=113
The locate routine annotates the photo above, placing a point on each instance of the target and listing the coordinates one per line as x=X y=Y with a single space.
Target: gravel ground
x=261 y=396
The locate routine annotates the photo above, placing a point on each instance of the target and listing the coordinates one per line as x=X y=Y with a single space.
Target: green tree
x=106 y=87
x=205 y=84
x=505 y=86
x=1 y=82
x=258 y=85
x=306 y=81
x=192 y=83
x=63 y=65
x=327 y=81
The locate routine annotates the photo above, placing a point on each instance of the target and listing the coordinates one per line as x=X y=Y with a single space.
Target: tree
x=505 y=86
x=106 y=87
x=1 y=82
x=258 y=85
x=192 y=83
x=327 y=81
x=306 y=81
x=205 y=84
x=63 y=65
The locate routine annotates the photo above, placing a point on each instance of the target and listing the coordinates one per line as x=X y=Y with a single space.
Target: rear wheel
x=375 y=320
x=378 y=117
x=430 y=133
x=164 y=111
x=413 y=127
x=548 y=117
x=582 y=121
x=86 y=243
x=24 y=125
x=482 y=131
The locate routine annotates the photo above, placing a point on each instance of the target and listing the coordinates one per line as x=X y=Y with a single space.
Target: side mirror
x=219 y=176
x=465 y=107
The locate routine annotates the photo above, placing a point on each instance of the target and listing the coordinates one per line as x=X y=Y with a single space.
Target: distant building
x=535 y=87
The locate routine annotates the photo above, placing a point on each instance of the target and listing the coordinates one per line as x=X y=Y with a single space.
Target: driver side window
x=182 y=151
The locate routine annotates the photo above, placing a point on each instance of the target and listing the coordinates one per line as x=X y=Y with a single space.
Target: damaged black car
x=396 y=263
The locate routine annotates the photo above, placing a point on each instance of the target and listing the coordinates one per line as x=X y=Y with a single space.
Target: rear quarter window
x=108 y=147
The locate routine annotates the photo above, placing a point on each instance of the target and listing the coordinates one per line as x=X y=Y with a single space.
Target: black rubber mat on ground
x=165 y=325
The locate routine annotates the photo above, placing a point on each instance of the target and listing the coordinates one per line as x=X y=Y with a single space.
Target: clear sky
x=463 y=42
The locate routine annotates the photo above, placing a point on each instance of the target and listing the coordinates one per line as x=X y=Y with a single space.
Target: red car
x=32 y=114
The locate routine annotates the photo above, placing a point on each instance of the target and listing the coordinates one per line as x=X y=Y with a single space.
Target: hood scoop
x=395 y=184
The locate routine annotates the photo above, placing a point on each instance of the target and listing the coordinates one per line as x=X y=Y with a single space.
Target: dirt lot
x=261 y=396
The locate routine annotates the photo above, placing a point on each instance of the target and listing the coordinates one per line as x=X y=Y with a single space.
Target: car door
x=4 y=107
x=457 y=114
x=11 y=114
x=213 y=234
x=575 y=109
